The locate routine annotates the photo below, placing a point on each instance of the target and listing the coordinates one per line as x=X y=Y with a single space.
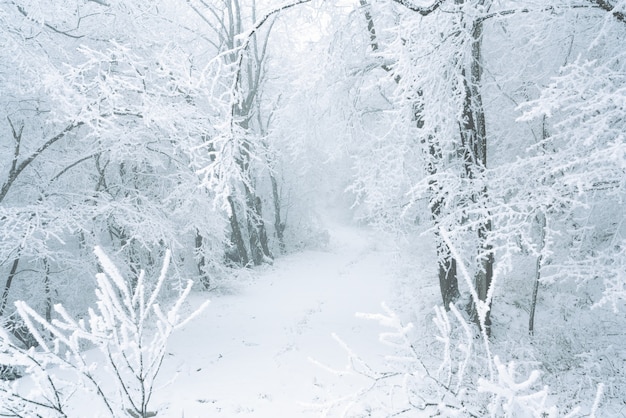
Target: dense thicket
x=138 y=128
x=507 y=127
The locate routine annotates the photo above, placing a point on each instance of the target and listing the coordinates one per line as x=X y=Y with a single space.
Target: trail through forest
x=250 y=352
x=488 y=137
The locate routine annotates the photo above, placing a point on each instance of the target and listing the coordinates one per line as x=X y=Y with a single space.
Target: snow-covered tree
x=101 y=131
x=477 y=130
x=239 y=154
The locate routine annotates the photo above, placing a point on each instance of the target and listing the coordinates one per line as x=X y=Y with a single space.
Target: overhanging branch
x=49 y=26
x=606 y=6
x=17 y=169
x=595 y=4
x=247 y=37
x=424 y=11
x=601 y=4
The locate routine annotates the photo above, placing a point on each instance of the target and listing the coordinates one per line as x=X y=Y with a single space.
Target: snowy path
x=247 y=355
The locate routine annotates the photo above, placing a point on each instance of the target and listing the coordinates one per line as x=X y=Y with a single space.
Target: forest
x=153 y=153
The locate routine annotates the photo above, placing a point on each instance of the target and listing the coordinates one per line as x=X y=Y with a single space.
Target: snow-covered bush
x=129 y=328
x=46 y=396
x=468 y=382
x=511 y=398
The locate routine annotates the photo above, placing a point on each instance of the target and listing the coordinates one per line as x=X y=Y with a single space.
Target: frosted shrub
x=515 y=399
x=466 y=383
x=46 y=398
x=407 y=384
x=129 y=328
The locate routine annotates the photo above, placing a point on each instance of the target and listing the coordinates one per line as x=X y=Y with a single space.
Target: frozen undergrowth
x=576 y=357
x=128 y=327
x=248 y=355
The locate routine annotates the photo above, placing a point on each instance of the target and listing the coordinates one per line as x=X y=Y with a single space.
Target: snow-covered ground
x=250 y=353
x=272 y=343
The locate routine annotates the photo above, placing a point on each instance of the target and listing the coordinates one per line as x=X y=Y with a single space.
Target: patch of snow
x=249 y=353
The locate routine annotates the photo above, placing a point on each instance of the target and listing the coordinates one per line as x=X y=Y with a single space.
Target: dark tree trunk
x=279 y=226
x=255 y=242
x=257 y=234
x=474 y=145
x=541 y=220
x=237 y=236
x=7 y=286
x=201 y=262
x=474 y=155
x=262 y=231
x=448 y=281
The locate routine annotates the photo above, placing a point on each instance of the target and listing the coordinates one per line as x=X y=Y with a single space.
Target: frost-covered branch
x=608 y=7
x=128 y=327
x=423 y=10
x=50 y=396
x=16 y=169
x=407 y=385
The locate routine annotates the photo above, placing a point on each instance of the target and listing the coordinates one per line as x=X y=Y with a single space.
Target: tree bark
x=448 y=280
x=541 y=219
x=474 y=156
x=262 y=230
x=237 y=236
x=7 y=286
x=474 y=146
x=16 y=169
x=279 y=225
x=201 y=262
x=256 y=250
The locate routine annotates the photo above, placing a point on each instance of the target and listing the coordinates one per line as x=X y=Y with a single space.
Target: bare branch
x=17 y=136
x=424 y=11
x=602 y=4
x=247 y=38
x=17 y=169
x=620 y=16
x=52 y=28
x=365 y=6
x=606 y=6
x=209 y=24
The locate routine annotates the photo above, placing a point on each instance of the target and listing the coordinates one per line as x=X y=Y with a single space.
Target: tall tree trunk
x=448 y=281
x=541 y=220
x=474 y=144
x=257 y=233
x=254 y=239
x=262 y=230
x=474 y=149
x=279 y=225
x=237 y=236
